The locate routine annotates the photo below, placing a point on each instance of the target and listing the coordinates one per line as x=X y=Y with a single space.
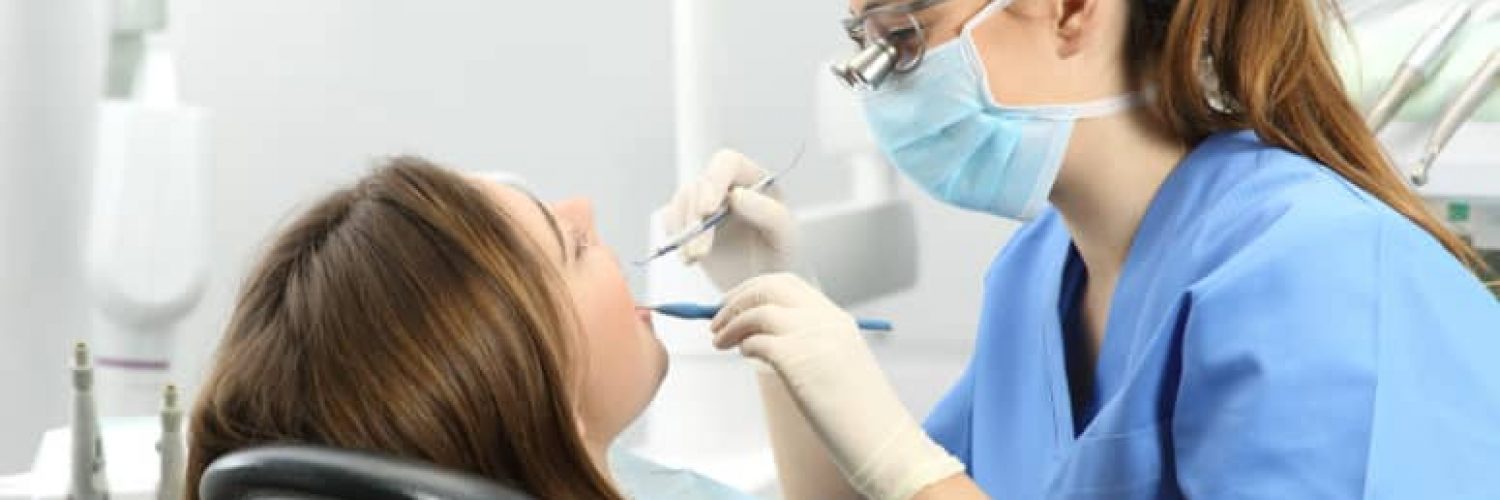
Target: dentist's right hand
x=817 y=350
x=757 y=238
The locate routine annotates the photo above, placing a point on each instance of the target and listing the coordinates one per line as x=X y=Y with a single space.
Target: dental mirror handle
x=1463 y=107
x=702 y=311
x=1419 y=66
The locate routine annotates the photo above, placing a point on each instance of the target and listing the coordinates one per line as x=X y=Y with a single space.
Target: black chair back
x=297 y=472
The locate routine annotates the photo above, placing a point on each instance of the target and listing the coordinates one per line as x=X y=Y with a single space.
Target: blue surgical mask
x=939 y=125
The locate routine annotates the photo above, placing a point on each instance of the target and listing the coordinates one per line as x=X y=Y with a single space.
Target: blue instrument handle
x=685 y=310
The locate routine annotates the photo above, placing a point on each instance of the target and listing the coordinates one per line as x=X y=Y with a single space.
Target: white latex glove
x=757 y=237
x=820 y=354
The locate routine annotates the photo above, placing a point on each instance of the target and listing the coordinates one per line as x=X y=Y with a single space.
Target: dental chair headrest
x=311 y=472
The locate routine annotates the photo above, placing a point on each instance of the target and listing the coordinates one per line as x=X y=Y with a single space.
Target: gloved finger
x=763 y=212
x=756 y=292
x=764 y=348
x=698 y=247
x=728 y=169
x=765 y=320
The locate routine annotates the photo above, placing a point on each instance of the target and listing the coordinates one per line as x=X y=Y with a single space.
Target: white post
x=169 y=485
x=87 y=481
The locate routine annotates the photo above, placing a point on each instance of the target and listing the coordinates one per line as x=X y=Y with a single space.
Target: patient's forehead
x=526 y=211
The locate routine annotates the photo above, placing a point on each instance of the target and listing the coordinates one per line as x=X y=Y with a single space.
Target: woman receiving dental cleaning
x=1222 y=290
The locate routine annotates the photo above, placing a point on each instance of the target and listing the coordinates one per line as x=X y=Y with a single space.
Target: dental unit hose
x=1423 y=62
x=1463 y=107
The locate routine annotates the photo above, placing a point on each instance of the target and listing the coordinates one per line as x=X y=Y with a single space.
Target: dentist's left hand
x=818 y=351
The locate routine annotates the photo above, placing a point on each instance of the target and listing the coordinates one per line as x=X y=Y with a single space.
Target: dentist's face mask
x=939 y=125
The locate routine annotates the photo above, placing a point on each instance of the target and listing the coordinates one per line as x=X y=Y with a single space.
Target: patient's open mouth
x=644 y=314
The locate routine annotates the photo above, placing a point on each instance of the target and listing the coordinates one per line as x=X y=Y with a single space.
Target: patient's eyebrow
x=562 y=247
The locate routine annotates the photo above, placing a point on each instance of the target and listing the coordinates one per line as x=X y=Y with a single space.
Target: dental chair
x=297 y=472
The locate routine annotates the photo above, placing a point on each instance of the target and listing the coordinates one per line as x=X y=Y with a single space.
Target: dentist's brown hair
x=408 y=316
x=1274 y=75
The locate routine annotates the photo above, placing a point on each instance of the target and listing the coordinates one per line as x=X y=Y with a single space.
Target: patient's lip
x=645 y=315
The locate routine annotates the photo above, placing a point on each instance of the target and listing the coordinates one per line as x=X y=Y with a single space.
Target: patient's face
x=626 y=362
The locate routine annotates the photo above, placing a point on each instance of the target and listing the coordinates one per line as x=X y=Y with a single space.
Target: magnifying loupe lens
x=867 y=69
x=899 y=31
x=889 y=41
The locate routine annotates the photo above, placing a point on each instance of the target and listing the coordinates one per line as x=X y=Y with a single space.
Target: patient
x=428 y=315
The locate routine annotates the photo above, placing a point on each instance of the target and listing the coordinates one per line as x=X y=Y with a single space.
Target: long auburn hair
x=1274 y=74
x=409 y=316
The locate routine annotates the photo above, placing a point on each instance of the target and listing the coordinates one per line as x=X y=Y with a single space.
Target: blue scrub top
x=1276 y=333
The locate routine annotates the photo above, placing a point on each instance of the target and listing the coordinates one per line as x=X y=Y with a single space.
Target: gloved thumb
x=767 y=215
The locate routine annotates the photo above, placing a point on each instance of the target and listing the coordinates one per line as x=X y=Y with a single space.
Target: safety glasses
x=891 y=41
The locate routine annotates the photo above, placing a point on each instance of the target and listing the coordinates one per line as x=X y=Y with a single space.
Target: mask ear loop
x=1091 y=109
x=984 y=14
x=976 y=62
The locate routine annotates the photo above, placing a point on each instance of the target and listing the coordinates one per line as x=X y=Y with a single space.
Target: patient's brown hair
x=409 y=316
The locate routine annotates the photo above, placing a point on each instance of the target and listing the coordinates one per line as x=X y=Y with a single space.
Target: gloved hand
x=757 y=237
x=819 y=353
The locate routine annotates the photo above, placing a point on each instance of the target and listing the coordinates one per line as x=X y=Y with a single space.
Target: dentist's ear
x=1075 y=20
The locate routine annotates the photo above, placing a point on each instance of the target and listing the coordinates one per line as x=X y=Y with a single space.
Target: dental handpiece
x=683 y=310
x=1425 y=59
x=1463 y=107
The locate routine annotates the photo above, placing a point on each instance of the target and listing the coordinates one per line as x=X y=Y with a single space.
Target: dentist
x=1223 y=289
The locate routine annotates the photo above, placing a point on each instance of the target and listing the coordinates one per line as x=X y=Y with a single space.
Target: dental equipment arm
x=1463 y=107
x=1424 y=61
x=134 y=21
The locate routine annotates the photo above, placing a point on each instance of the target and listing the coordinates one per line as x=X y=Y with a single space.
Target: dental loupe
x=891 y=41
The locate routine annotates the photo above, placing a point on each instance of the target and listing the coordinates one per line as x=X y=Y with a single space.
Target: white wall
x=48 y=52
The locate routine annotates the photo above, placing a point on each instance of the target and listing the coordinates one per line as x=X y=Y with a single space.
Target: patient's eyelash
x=580 y=242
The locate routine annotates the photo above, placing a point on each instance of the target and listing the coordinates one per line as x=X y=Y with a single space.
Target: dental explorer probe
x=87 y=481
x=715 y=219
x=683 y=310
x=1463 y=107
x=1425 y=59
